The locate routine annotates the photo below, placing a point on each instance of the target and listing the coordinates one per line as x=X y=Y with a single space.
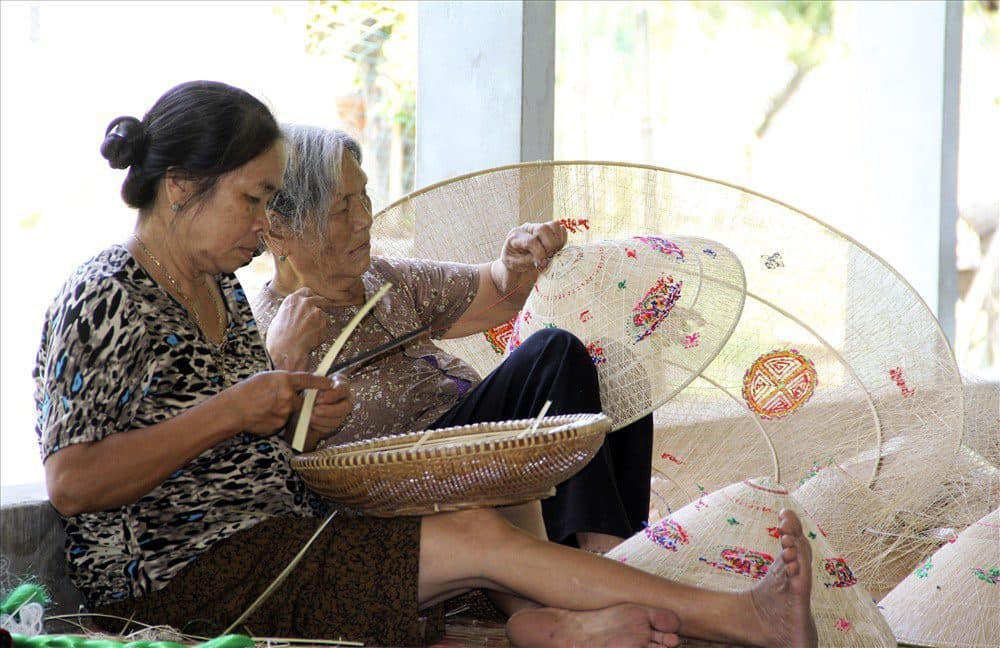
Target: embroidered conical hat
x=884 y=551
x=652 y=311
x=726 y=540
x=834 y=355
x=952 y=598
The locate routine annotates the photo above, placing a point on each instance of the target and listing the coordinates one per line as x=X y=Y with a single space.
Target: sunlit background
x=648 y=82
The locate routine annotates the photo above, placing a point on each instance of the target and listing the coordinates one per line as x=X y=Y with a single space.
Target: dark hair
x=202 y=129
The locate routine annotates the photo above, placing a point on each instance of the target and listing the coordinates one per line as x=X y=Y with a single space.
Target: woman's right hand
x=264 y=401
x=297 y=328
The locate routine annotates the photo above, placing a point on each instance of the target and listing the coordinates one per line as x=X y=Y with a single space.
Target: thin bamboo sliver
x=280 y=578
x=302 y=427
x=538 y=419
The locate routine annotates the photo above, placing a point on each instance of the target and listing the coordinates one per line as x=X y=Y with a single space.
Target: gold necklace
x=188 y=302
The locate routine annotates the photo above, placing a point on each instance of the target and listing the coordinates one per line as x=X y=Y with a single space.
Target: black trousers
x=611 y=494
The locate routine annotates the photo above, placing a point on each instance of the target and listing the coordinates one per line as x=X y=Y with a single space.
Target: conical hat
x=835 y=355
x=953 y=598
x=726 y=540
x=886 y=549
x=652 y=311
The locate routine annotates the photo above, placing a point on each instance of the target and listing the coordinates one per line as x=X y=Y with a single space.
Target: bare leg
x=621 y=626
x=460 y=551
x=600 y=543
x=527 y=517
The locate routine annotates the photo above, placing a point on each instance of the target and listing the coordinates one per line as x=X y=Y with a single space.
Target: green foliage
x=806 y=27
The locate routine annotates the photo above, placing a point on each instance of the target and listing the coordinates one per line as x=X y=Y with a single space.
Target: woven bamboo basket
x=468 y=466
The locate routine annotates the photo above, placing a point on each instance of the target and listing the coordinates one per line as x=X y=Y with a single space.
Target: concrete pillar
x=908 y=71
x=485 y=86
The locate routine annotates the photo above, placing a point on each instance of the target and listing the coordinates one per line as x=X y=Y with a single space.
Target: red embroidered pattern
x=575 y=225
x=499 y=336
x=596 y=353
x=740 y=560
x=655 y=305
x=898 y=378
x=778 y=383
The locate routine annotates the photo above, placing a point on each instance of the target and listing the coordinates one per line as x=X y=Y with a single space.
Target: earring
x=282 y=258
x=176 y=207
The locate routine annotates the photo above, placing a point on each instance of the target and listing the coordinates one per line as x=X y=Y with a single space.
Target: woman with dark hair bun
x=160 y=420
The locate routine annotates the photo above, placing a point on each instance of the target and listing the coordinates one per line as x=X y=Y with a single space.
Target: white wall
x=485 y=78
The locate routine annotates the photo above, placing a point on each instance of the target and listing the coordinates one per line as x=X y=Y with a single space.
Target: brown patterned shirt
x=406 y=390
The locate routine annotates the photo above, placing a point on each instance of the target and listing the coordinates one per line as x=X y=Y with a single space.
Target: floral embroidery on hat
x=655 y=305
x=739 y=560
x=667 y=533
x=596 y=353
x=842 y=574
x=662 y=245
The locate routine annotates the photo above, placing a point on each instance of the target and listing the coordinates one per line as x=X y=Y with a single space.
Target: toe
x=664 y=620
x=661 y=639
x=790 y=523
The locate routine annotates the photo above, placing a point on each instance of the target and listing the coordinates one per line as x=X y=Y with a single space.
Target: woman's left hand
x=529 y=247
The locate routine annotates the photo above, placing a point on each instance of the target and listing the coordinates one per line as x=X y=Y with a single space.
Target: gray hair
x=312 y=177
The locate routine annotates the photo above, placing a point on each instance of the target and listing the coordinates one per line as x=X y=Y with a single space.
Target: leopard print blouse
x=119 y=353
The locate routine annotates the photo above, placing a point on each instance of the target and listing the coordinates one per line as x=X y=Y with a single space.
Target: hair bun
x=125 y=142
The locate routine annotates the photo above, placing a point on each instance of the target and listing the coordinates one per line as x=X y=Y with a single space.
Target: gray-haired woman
x=320 y=229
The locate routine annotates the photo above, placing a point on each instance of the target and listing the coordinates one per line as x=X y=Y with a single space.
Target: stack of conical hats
x=953 y=598
x=835 y=356
x=727 y=540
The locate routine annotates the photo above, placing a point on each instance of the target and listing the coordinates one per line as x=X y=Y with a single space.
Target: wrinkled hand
x=297 y=328
x=529 y=247
x=332 y=407
x=263 y=402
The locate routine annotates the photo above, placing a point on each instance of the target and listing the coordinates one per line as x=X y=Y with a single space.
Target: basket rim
x=367 y=452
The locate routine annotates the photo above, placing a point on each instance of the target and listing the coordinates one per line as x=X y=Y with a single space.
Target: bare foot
x=781 y=601
x=621 y=626
x=600 y=543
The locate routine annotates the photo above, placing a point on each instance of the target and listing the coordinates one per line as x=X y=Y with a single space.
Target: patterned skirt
x=358 y=581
